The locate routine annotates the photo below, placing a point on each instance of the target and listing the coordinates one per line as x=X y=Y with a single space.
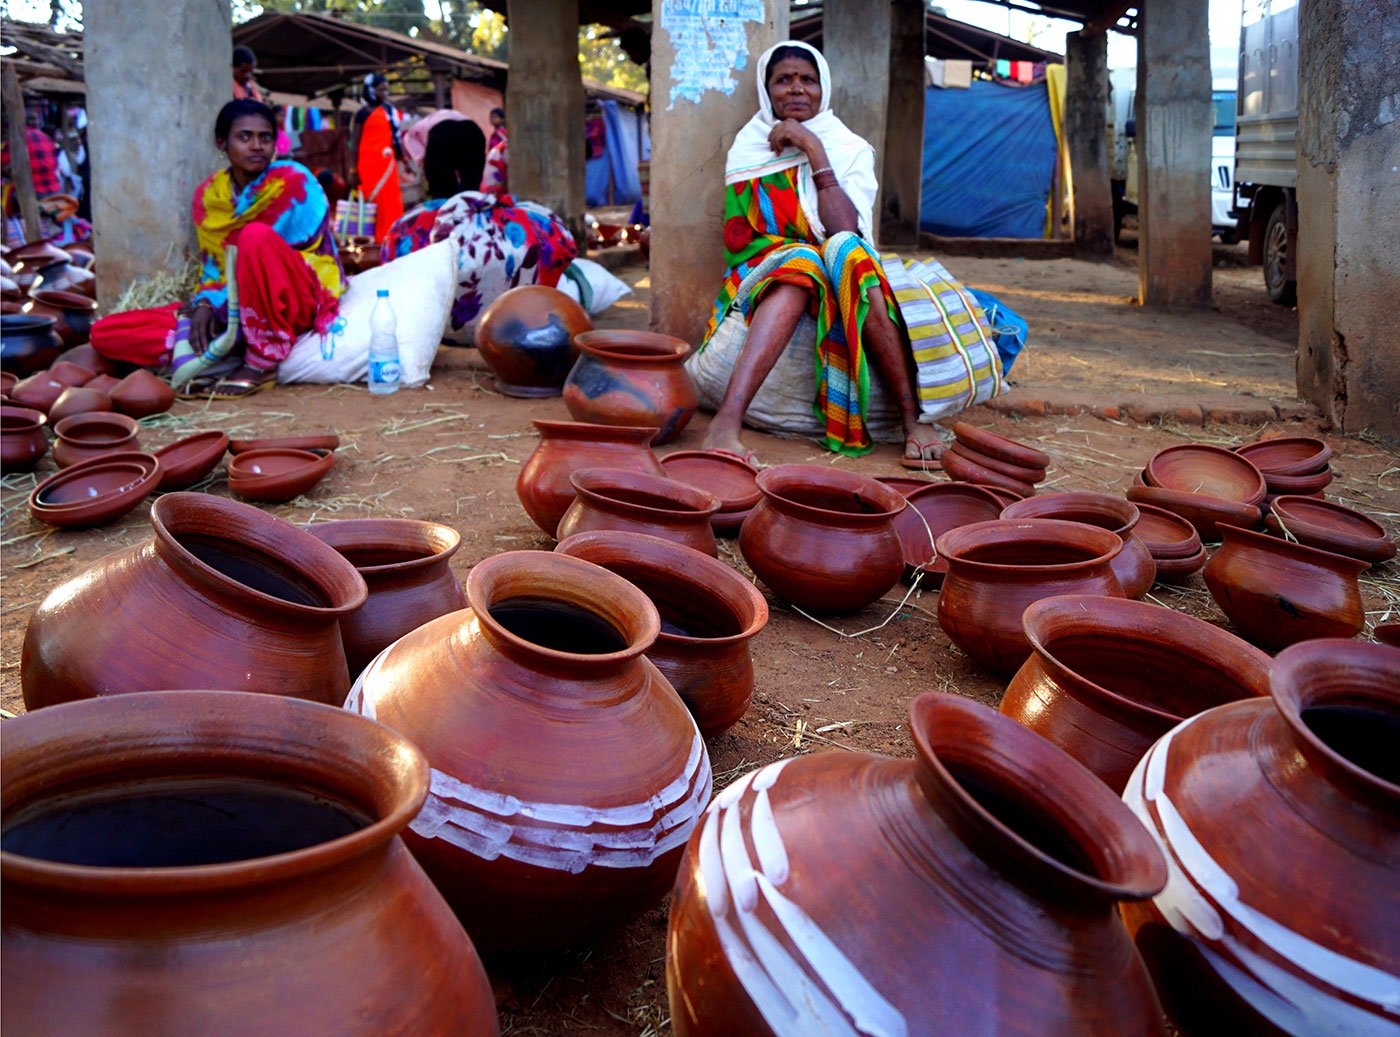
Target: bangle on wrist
x=826 y=181
x=824 y=169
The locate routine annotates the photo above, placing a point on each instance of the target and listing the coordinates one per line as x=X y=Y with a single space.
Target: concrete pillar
x=902 y=168
x=1174 y=126
x=544 y=108
x=1086 y=130
x=151 y=147
x=856 y=35
x=1348 y=212
x=702 y=92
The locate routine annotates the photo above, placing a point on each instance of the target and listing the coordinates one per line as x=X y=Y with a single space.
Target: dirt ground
x=451 y=453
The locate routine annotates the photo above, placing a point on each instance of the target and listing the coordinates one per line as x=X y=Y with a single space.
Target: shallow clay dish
x=731 y=480
x=1000 y=447
x=904 y=484
x=1287 y=455
x=327 y=442
x=961 y=469
x=934 y=509
x=1175 y=570
x=273 y=476
x=1331 y=527
x=92 y=494
x=1167 y=535
x=1021 y=473
x=185 y=462
x=1209 y=470
x=1299 y=485
x=1206 y=513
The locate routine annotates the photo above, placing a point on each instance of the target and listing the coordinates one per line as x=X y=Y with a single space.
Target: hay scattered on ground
x=161 y=288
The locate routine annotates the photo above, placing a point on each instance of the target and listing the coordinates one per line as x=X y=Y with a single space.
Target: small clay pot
x=65 y=276
x=632 y=378
x=961 y=469
x=1287 y=455
x=22 y=439
x=274 y=476
x=1388 y=634
x=94 y=493
x=1166 y=534
x=935 y=508
x=85 y=436
x=1134 y=566
x=78 y=399
x=87 y=357
x=1176 y=570
x=731 y=480
x=1011 y=471
x=614 y=498
x=329 y=441
x=709 y=616
x=999 y=447
x=1278 y=593
x=527 y=337
x=1209 y=515
x=567 y=446
x=73 y=313
x=141 y=394
x=186 y=461
x=1208 y=470
x=70 y=373
x=103 y=383
x=38 y=392
x=1331 y=527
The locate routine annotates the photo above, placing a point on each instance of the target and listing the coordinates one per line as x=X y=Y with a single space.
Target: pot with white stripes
x=971 y=890
x=567 y=774
x=1281 y=824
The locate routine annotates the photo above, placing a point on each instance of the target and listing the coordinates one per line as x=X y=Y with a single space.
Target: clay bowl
x=141 y=394
x=935 y=508
x=273 y=476
x=87 y=357
x=70 y=373
x=330 y=441
x=1298 y=485
x=1015 y=472
x=39 y=391
x=85 y=436
x=731 y=480
x=1207 y=514
x=22 y=439
x=614 y=498
x=73 y=313
x=1211 y=471
x=1331 y=527
x=186 y=461
x=1134 y=565
x=95 y=493
x=1387 y=633
x=1287 y=455
x=999 y=447
x=903 y=484
x=1175 y=570
x=78 y=399
x=1167 y=535
x=1007 y=497
x=961 y=469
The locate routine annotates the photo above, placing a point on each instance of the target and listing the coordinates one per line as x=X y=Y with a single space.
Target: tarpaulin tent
x=612 y=178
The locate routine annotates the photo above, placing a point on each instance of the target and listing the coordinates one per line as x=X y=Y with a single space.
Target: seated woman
x=799 y=200
x=271 y=218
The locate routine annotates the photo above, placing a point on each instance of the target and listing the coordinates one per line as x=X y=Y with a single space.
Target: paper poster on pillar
x=710 y=38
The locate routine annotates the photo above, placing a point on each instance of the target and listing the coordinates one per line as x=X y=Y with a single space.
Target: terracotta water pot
x=996 y=569
x=405 y=565
x=224 y=596
x=1278 y=593
x=194 y=862
x=73 y=313
x=567 y=774
x=1134 y=566
x=82 y=437
x=709 y=614
x=141 y=394
x=1107 y=677
x=77 y=399
x=969 y=890
x=1283 y=821
x=824 y=539
x=527 y=337
x=614 y=498
x=38 y=392
x=95 y=492
x=935 y=508
x=632 y=378
x=567 y=446
x=22 y=439
x=1287 y=455
x=1331 y=527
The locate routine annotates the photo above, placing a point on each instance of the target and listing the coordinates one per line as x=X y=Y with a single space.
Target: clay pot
x=65 y=277
x=225 y=855
x=614 y=498
x=567 y=773
x=567 y=446
x=22 y=439
x=404 y=564
x=709 y=614
x=1331 y=527
x=103 y=383
x=1000 y=447
x=1388 y=633
x=1245 y=799
x=1299 y=485
x=38 y=392
x=632 y=378
x=824 y=539
x=7 y=382
x=1209 y=470
x=69 y=373
x=1278 y=593
x=95 y=492
x=990 y=861
x=186 y=461
x=961 y=469
x=1209 y=515
x=1011 y=471
x=85 y=436
x=1134 y=566
x=527 y=335
x=935 y=508
x=86 y=356
x=1287 y=455
x=316 y=444
x=274 y=476
x=996 y=569
x=35 y=255
x=1166 y=534
x=73 y=314
x=224 y=596
x=77 y=399
x=730 y=479
x=1176 y=570
x=141 y=394
x=1107 y=677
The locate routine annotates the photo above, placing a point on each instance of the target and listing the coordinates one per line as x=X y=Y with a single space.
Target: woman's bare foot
x=723 y=441
x=923 y=443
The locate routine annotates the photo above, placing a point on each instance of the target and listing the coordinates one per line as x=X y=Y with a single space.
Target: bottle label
x=384 y=371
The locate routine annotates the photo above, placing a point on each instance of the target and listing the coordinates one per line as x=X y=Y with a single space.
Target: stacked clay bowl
x=1173 y=542
x=634 y=502
x=1291 y=464
x=83 y=437
x=1208 y=486
x=988 y=459
x=733 y=481
x=274 y=476
x=186 y=461
x=315 y=443
x=1134 y=565
x=1330 y=527
x=934 y=509
x=95 y=492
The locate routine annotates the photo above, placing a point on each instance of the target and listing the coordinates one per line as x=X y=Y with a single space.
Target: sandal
x=225 y=388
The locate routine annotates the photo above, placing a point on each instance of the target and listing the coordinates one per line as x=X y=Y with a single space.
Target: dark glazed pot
x=614 y=498
x=567 y=774
x=543 y=485
x=632 y=378
x=22 y=439
x=194 y=862
x=1133 y=565
x=824 y=539
x=989 y=863
x=404 y=563
x=1278 y=593
x=709 y=614
x=527 y=336
x=224 y=596
x=1245 y=799
x=27 y=343
x=72 y=313
x=996 y=569
x=1107 y=677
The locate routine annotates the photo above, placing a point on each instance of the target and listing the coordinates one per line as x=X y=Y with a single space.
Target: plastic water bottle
x=383 y=347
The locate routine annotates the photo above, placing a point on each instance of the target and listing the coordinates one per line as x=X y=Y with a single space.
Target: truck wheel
x=1281 y=290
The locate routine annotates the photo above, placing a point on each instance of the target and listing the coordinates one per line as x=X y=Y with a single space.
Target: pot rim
x=70 y=300
x=1192 y=538
x=1228 y=457
x=1318 y=459
x=128 y=425
x=594 y=484
x=951 y=542
x=552 y=429
x=237 y=461
x=1314 y=556
x=669 y=349
x=1331 y=507
x=18 y=323
x=440 y=541
x=775 y=481
x=37 y=418
x=1117 y=509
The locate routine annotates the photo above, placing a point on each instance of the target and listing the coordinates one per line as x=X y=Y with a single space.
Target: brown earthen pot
x=824 y=539
x=1300 y=485
x=1107 y=677
x=69 y=373
x=935 y=508
x=194 y=862
x=1134 y=566
x=567 y=774
x=275 y=475
x=1209 y=515
x=709 y=616
x=1210 y=470
x=632 y=378
x=102 y=383
x=186 y=461
x=224 y=596
x=996 y=569
x=66 y=277
x=970 y=890
x=1278 y=593
x=1388 y=633
x=38 y=392
x=527 y=337
x=95 y=492
x=82 y=437
x=1166 y=534
x=78 y=399
x=405 y=565
x=567 y=446
x=86 y=356
x=729 y=478
x=141 y=394
x=316 y=443
x=1282 y=818
x=632 y=502
x=1011 y=471
x=73 y=313
x=22 y=439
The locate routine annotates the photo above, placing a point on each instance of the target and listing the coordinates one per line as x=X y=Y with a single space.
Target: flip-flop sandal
x=197 y=388
x=227 y=389
x=921 y=464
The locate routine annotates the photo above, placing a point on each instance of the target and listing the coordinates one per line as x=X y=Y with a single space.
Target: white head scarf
x=852 y=158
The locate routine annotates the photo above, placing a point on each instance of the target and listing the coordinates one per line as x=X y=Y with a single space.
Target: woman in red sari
x=374 y=141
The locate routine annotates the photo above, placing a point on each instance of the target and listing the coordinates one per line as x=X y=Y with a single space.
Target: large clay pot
x=824 y=539
x=527 y=336
x=1278 y=593
x=22 y=439
x=1107 y=677
x=405 y=565
x=1133 y=565
x=709 y=614
x=970 y=890
x=632 y=378
x=567 y=774
x=996 y=569
x=567 y=446
x=1282 y=819
x=73 y=314
x=224 y=596
x=614 y=498
x=192 y=862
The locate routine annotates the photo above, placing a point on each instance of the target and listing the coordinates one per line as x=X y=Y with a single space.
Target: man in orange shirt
x=244 y=88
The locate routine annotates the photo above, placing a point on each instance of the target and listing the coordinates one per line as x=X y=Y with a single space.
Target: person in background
x=376 y=151
x=43 y=157
x=496 y=180
x=244 y=61
x=284 y=142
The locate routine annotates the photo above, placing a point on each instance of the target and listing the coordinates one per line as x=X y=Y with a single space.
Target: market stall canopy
x=944 y=37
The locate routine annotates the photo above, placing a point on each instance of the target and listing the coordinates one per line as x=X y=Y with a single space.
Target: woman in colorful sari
x=374 y=142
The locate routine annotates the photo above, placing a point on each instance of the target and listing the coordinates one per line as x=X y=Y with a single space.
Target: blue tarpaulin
x=989 y=158
x=612 y=179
